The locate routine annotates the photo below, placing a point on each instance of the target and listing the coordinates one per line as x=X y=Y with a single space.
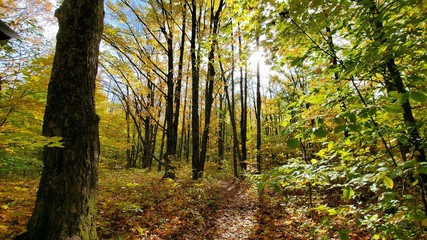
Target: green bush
x=17 y=165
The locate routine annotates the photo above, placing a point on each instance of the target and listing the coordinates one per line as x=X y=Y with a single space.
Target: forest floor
x=136 y=204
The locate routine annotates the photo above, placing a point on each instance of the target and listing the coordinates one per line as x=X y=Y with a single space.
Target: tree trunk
x=221 y=130
x=258 y=111
x=171 y=134
x=210 y=85
x=159 y=166
x=146 y=153
x=243 y=105
x=184 y=136
x=177 y=96
x=66 y=200
x=195 y=161
x=128 y=140
x=231 y=106
x=394 y=82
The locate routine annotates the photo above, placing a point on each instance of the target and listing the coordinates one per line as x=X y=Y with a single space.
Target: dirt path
x=236 y=208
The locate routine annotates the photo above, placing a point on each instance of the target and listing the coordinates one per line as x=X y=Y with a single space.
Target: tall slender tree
x=243 y=100
x=258 y=110
x=195 y=161
x=215 y=17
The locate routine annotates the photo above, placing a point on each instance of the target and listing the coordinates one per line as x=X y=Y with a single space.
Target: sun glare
x=263 y=67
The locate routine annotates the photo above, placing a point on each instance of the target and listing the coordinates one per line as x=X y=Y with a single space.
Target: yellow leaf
x=388 y=182
x=23 y=189
x=26 y=123
x=35 y=78
x=332 y=211
x=3 y=228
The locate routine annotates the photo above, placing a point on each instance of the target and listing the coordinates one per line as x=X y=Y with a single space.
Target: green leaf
x=354 y=127
x=56 y=144
x=403 y=98
x=348 y=193
x=423 y=169
x=293 y=143
x=332 y=211
x=393 y=109
x=418 y=96
x=320 y=132
x=372 y=111
x=339 y=129
x=382 y=49
x=388 y=182
x=344 y=234
x=352 y=117
x=420 y=216
x=339 y=121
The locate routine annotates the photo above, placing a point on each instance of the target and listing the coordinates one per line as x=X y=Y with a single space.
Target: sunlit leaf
x=388 y=182
x=418 y=96
x=403 y=98
x=393 y=109
x=348 y=193
x=332 y=211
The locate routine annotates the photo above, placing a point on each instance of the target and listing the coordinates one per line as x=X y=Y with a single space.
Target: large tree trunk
x=66 y=200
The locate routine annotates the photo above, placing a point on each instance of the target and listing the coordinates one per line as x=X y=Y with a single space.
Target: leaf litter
x=137 y=204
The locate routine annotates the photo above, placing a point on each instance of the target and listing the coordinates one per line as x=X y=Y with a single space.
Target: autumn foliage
x=250 y=119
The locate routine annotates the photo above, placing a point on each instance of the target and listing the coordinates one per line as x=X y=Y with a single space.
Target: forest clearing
x=219 y=119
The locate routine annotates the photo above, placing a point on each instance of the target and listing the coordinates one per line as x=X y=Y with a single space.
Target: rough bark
x=66 y=200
